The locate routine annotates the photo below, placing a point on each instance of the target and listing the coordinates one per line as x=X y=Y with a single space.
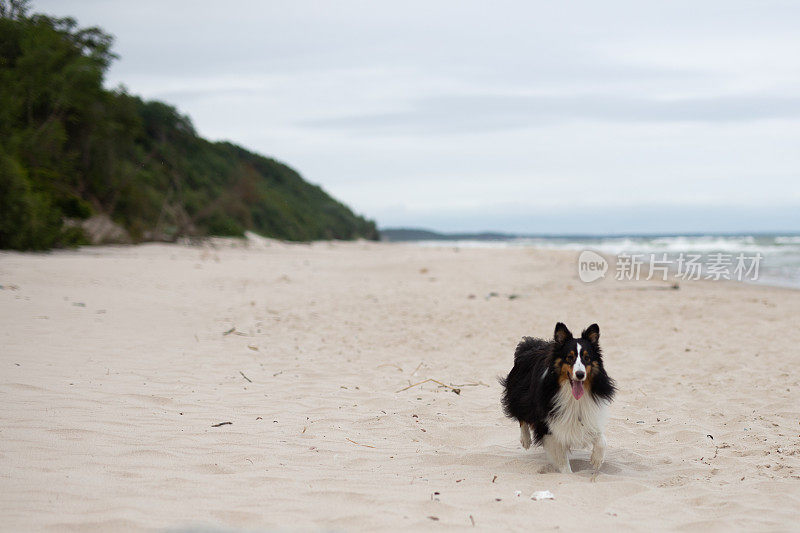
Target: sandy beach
x=120 y=363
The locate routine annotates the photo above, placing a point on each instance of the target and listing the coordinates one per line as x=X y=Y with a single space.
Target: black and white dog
x=560 y=391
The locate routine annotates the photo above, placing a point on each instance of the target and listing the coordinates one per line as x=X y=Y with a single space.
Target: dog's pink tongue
x=577 y=389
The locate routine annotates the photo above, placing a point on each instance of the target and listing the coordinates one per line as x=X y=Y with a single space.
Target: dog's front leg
x=598 y=451
x=557 y=453
x=525 y=435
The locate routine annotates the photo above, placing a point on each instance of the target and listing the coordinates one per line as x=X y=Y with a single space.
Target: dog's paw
x=598 y=453
x=525 y=440
x=597 y=458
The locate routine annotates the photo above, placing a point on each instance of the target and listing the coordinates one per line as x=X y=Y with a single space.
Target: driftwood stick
x=454 y=389
x=414 y=385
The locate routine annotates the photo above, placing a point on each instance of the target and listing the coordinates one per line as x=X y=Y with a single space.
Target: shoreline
x=784 y=282
x=256 y=242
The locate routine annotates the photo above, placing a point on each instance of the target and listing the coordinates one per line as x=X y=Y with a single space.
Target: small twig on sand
x=245 y=377
x=229 y=331
x=413 y=385
x=221 y=424
x=476 y=384
x=354 y=442
x=454 y=389
x=398 y=367
x=418 y=367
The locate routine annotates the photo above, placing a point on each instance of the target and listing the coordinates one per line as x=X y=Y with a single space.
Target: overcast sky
x=538 y=117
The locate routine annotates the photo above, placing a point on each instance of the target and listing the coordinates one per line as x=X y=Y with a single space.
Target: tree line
x=71 y=149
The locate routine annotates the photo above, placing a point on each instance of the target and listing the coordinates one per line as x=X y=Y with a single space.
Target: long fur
x=538 y=391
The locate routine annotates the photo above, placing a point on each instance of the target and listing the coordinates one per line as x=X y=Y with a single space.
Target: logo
x=591 y=266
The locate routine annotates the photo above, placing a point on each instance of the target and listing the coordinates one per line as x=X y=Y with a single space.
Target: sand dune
x=117 y=362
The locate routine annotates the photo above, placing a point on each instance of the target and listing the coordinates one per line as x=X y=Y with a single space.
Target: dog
x=559 y=391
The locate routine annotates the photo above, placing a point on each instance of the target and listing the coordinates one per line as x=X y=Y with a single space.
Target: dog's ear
x=561 y=334
x=591 y=334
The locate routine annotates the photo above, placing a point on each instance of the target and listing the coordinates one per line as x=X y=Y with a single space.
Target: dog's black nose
x=580 y=374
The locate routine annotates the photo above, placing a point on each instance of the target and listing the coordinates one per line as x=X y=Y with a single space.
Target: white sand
x=115 y=366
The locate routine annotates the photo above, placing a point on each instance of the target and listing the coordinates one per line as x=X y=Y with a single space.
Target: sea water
x=778 y=256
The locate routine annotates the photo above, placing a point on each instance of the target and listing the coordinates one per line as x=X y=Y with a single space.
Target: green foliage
x=27 y=219
x=71 y=149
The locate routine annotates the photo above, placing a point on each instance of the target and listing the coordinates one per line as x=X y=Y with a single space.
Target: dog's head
x=576 y=360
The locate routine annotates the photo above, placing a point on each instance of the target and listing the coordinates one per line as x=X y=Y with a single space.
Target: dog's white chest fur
x=576 y=423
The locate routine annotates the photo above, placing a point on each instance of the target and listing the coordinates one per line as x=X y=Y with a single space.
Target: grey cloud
x=477 y=113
